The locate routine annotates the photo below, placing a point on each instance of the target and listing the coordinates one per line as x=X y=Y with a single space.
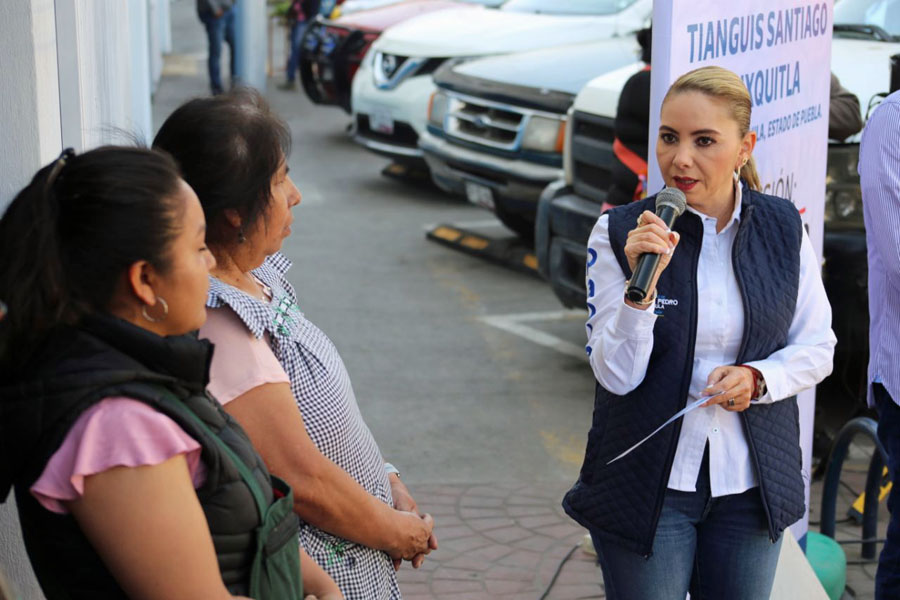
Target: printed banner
x=782 y=52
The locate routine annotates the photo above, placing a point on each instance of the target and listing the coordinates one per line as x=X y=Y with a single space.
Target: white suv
x=392 y=88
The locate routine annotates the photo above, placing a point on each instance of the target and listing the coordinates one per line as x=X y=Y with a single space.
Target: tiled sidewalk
x=506 y=542
x=500 y=541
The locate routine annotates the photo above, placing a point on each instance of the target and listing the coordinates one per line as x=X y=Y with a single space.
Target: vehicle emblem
x=388 y=65
x=482 y=122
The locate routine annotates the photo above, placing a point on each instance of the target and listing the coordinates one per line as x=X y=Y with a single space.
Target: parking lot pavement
x=469 y=375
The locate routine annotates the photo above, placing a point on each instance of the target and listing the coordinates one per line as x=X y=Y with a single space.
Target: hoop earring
x=165 y=306
x=241 y=238
x=737 y=171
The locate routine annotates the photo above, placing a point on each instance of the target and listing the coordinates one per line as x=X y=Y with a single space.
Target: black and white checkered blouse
x=321 y=385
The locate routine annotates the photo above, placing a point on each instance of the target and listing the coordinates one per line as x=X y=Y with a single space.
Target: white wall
x=99 y=65
x=29 y=98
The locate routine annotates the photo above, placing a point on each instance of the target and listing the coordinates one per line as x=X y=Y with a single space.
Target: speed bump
x=509 y=252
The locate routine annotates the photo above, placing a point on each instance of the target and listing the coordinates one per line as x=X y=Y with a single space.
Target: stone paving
x=500 y=541
x=505 y=541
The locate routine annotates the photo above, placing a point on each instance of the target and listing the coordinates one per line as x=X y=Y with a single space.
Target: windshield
x=568 y=7
x=883 y=13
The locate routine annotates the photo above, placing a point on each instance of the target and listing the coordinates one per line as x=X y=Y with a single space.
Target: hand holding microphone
x=650 y=245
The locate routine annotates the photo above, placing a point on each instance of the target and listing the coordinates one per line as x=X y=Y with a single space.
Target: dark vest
x=108 y=357
x=622 y=502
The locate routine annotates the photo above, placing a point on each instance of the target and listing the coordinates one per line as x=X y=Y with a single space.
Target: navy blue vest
x=622 y=502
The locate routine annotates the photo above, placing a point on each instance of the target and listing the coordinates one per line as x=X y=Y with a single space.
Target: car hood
x=454 y=33
x=541 y=68
x=600 y=96
x=379 y=19
x=847 y=56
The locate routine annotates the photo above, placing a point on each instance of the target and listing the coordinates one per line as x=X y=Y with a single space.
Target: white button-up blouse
x=620 y=340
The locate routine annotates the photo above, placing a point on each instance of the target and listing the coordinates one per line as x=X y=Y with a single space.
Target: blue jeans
x=217 y=30
x=294 y=61
x=887 y=578
x=713 y=547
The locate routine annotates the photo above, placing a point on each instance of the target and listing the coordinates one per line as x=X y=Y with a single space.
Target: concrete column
x=165 y=26
x=141 y=86
x=251 y=43
x=154 y=27
x=99 y=63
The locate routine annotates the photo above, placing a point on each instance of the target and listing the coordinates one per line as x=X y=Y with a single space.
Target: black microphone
x=670 y=204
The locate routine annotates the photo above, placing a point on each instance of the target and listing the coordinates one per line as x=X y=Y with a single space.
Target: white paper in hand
x=699 y=402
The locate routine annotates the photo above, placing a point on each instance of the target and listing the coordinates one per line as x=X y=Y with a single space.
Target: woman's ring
x=731 y=402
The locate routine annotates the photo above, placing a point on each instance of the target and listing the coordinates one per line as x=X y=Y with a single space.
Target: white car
x=353 y=6
x=393 y=86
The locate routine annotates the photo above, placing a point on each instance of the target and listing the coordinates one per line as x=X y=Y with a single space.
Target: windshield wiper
x=873 y=32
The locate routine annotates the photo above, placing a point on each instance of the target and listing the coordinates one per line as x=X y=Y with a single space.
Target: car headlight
x=544 y=134
x=437 y=108
x=843 y=196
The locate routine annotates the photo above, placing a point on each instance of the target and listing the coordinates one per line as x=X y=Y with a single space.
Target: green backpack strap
x=239 y=464
x=275 y=573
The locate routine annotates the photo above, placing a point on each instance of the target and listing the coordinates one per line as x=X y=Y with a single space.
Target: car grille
x=486 y=123
x=592 y=154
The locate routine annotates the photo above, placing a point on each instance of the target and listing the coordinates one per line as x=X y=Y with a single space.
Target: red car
x=331 y=50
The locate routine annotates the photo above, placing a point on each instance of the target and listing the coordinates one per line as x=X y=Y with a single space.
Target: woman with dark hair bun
x=358 y=519
x=130 y=481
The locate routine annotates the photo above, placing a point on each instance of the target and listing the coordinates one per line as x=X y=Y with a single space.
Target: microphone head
x=673 y=198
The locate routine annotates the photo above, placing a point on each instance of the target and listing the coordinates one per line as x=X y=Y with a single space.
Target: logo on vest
x=662 y=303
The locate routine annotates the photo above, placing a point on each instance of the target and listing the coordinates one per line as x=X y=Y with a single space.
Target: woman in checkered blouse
x=359 y=520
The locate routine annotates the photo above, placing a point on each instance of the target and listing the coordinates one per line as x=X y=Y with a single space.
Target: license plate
x=480 y=195
x=382 y=121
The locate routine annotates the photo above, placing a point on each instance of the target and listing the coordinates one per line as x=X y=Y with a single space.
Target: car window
x=569 y=7
x=883 y=13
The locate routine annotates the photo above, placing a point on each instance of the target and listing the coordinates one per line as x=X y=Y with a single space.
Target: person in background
x=218 y=18
x=629 y=169
x=736 y=316
x=130 y=481
x=844 y=117
x=359 y=519
x=300 y=13
x=879 y=174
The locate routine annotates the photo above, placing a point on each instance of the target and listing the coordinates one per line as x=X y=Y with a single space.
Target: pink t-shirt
x=115 y=432
x=241 y=361
x=119 y=432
